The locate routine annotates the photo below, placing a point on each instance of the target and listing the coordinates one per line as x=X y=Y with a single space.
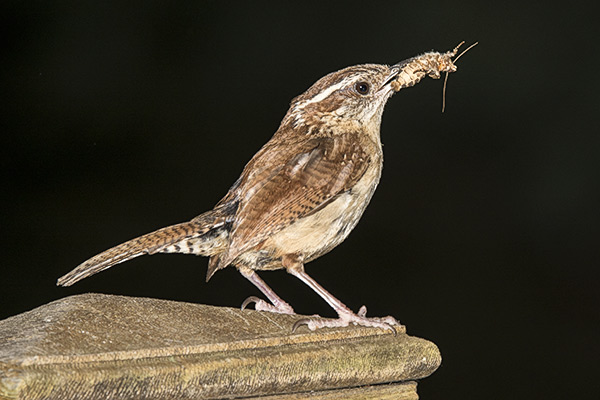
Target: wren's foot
x=348 y=317
x=280 y=307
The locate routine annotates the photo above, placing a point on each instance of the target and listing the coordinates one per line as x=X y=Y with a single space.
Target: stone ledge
x=101 y=346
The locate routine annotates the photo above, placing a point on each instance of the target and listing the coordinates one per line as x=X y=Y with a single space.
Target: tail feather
x=147 y=244
x=204 y=235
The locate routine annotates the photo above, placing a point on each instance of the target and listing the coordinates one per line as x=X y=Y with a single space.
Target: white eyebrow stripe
x=325 y=93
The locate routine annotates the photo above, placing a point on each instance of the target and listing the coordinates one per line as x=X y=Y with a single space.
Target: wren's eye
x=362 y=88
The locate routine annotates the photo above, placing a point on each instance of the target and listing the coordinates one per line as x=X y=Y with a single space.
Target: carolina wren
x=300 y=195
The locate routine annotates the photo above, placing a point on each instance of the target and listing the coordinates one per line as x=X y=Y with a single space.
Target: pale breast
x=317 y=234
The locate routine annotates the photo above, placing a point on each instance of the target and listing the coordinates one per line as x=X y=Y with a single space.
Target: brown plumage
x=300 y=195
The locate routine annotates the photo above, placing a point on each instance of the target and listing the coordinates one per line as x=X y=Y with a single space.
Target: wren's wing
x=288 y=181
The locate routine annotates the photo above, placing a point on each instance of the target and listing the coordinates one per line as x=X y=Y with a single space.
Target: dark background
x=119 y=118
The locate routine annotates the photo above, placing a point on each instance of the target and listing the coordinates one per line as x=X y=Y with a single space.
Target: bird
x=300 y=195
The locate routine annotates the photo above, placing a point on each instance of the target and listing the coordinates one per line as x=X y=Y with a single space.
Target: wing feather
x=301 y=179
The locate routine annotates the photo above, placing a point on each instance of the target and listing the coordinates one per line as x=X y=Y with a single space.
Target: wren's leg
x=346 y=316
x=277 y=304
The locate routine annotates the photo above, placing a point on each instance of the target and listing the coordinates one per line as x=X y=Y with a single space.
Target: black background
x=119 y=118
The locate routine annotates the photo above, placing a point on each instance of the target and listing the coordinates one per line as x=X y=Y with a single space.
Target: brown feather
x=195 y=235
x=301 y=180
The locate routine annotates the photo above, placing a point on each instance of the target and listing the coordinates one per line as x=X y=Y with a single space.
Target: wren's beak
x=394 y=71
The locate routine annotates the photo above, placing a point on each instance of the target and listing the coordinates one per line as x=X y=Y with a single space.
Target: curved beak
x=394 y=71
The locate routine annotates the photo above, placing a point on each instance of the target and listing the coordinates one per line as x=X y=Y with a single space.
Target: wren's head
x=351 y=98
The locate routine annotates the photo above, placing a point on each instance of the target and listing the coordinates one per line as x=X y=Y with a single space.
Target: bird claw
x=346 y=318
x=261 y=305
x=362 y=311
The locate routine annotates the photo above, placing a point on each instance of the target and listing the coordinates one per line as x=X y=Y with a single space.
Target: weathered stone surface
x=394 y=391
x=113 y=347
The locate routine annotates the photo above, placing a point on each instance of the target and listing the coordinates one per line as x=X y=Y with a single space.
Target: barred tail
x=204 y=235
